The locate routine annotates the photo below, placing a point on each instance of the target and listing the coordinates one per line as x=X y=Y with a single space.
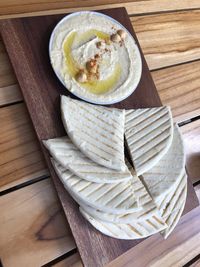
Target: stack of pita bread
x=119 y=200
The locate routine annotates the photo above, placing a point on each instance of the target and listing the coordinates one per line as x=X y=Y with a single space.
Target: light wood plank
x=179 y=88
x=9 y=90
x=72 y=261
x=182 y=246
x=174 y=89
x=24 y=160
x=10 y=94
x=191 y=135
x=169 y=38
x=20 y=156
x=19 y=8
x=7 y=76
x=33 y=228
x=153 y=32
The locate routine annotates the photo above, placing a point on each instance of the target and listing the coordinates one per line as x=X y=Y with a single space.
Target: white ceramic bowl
x=136 y=51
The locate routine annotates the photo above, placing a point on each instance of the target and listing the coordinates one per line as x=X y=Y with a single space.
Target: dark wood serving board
x=26 y=41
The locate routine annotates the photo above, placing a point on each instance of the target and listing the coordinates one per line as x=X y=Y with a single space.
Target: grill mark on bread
x=130 y=117
x=139 y=139
x=135 y=133
x=103 y=121
x=120 y=204
x=152 y=156
x=133 y=116
x=159 y=221
x=158 y=144
x=150 y=223
x=179 y=187
x=105 y=193
x=97 y=139
x=146 y=213
x=108 y=110
x=119 y=199
x=156 y=125
x=102 y=128
x=133 y=229
x=173 y=205
x=115 y=195
x=93 y=134
x=147 y=119
x=84 y=167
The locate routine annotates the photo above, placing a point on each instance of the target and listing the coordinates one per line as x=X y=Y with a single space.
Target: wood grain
x=174 y=88
x=179 y=88
x=19 y=8
x=177 y=250
x=33 y=228
x=7 y=76
x=41 y=91
x=10 y=94
x=191 y=133
x=72 y=261
x=9 y=90
x=197 y=190
x=169 y=38
x=20 y=156
x=185 y=85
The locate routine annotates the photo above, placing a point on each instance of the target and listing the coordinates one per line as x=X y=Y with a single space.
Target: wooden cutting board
x=26 y=41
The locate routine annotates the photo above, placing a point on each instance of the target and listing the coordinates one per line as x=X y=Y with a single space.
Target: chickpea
x=81 y=77
x=91 y=66
x=122 y=34
x=115 y=38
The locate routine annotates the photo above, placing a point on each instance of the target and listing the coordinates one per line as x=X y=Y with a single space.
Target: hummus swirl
x=82 y=44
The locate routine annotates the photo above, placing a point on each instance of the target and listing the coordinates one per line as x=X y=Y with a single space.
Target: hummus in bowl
x=95 y=57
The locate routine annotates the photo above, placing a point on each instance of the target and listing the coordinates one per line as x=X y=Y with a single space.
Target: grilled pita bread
x=148 y=134
x=165 y=175
x=111 y=198
x=68 y=155
x=161 y=181
x=172 y=201
x=148 y=207
x=134 y=230
x=168 y=219
x=97 y=131
x=144 y=200
x=145 y=213
x=174 y=208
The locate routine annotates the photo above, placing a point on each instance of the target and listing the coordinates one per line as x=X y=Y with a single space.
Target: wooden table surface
x=33 y=228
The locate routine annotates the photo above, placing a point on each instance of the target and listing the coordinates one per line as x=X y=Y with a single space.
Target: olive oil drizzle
x=96 y=86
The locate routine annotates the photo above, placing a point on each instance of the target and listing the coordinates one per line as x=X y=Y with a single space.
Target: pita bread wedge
x=134 y=230
x=113 y=198
x=172 y=201
x=148 y=207
x=172 y=213
x=165 y=175
x=144 y=200
x=68 y=155
x=145 y=213
x=148 y=134
x=97 y=131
